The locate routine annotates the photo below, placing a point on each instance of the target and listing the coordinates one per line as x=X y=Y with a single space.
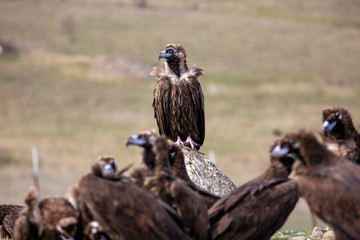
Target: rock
x=206 y=174
x=318 y=233
x=329 y=235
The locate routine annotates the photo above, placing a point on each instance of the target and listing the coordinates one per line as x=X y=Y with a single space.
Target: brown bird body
x=176 y=192
x=46 y=219
x=257 y=209
x=339 y=134
x=329 y=184
x=178 y=98
x=8 y=216
x=124 y=210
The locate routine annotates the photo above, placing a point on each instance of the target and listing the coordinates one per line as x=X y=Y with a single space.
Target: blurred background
x=75 y=83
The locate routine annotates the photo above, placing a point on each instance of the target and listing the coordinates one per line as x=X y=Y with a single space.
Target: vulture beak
x=327 y=127
x=135 y=140
x=279 y=152
x=108 y=168
x=163 y=54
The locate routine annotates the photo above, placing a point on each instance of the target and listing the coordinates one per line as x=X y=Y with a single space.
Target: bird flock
x=158 y=200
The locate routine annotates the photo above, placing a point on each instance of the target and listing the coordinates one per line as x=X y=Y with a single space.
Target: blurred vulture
x=257 y=209
x=339 y=133
x=8 y=216
x=176 y=192
x=147 y=139
x=329 y=184
x=178 y=98
x=46 y=219
x=121 y=209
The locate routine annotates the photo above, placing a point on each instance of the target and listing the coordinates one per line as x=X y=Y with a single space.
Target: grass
x=269 y=67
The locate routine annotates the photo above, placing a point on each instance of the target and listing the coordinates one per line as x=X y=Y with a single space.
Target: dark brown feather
x=130 y=212
x=8 y=216
x=257 y=209
x=178 y=98
x=47 y=218
x=329 y=184
x=177 y=193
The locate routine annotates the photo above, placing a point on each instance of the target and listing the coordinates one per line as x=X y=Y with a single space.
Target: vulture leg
x=191 y=142
x=179 y=142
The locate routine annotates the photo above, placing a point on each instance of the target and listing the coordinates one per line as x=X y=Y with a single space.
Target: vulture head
x=279 y=152
x=105 y=166
x=175 y=56
x=337 y=122
x=304 y=146
x=286 y=148
x=145 y=139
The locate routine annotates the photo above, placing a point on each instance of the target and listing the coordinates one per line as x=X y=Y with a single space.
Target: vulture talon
x=179 y=142
x=190 y=142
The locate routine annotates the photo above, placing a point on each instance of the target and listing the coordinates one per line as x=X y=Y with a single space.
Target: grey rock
x=206 y=174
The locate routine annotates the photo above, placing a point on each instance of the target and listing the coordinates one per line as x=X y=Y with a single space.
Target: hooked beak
x=327 y=127
x=163 y=54
x=279 y=152
x=134 y=140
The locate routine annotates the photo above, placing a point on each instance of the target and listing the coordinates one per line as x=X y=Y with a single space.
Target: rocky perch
x=206 y=174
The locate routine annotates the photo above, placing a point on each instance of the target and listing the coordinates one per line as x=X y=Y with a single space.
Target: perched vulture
x=178 y=98
x=123 y=209
x=339 y=134
x=329 y=184
x=8 y=216
x=46 y=219
x=257 y=209
x=147 y=140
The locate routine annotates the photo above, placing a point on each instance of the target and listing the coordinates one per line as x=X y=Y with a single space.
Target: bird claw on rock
x=190 y=142
x=179 y=142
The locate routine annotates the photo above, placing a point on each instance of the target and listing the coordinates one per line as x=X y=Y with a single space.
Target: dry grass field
x=81 y=84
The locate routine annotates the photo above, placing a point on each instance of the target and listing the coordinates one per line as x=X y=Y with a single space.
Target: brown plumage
x=8 y=216
x=46 y=219
x=257 y=209
x=329 y=184
x=339 y=134
x=178 y=98
x=146 y=139
x=124 y=210
x=177 y=193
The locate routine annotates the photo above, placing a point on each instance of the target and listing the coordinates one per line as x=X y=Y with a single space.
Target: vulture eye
x=170 y=51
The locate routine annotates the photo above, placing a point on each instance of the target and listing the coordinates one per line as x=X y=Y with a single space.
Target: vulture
x=147 y=139
x=46 y=219
x=339 y=134
x=329 y=184
x=178 y=98
x=257 y=209
x=122 y=209
x=8 y=216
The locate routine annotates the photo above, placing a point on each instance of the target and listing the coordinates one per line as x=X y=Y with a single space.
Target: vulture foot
x=190 y=142
x=179 y=142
